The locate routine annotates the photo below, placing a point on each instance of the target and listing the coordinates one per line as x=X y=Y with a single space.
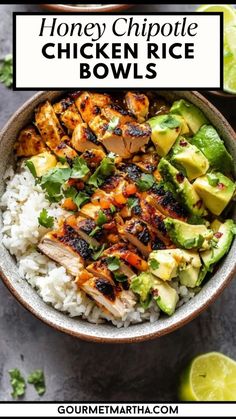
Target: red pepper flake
x=155 y=293
x=198 y=204
x=218 y=235
x=177 y=129
x=220 y=186
x=183 y=143
x=180 y=177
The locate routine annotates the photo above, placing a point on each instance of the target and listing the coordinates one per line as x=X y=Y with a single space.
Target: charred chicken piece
x=165 y=202
x=115 y=112
x=135 y=136
x=83 y=139
x=107 y=295
x=138 y=104
x=68 y=113
x=93 y=157
x=90 y=104
x=29 y=143
x=66 y=247
x=52 y=132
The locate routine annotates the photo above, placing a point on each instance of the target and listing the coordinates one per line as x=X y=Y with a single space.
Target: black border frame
x=15 y=14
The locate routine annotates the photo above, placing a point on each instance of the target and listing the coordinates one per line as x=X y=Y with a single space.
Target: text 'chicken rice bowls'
x=116 y=208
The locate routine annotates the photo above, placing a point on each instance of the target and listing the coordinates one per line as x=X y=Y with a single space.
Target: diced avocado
x=194 y=117
x=188 y=158
x=165 y=129
x=166 y=297
x=208 y=141
x=225 y=236
x=163 y=263
x=41 y=164
x=216 y=190
x=215 y=225
x=188 y=236
x=189 y=271
x=142 y=285
x=184 y=189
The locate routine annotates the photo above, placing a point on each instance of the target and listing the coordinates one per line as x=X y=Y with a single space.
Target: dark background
x=81 y=371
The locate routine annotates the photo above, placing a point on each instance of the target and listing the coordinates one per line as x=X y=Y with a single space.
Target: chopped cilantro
x=102 y=219
x=6 y=71
x=98 y=252
x=113 y=263
x=213 y=180
x=45 y=220
x=154 y=264
x=79 y=168
x=37 y=379
x=132 y=202
x=113 y=123
x=104 y=170
x=145 y=182
x=17 y=383
x=120 y=277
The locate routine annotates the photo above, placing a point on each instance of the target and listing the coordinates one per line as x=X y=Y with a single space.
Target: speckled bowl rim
x=107 y=333
x=66 y=8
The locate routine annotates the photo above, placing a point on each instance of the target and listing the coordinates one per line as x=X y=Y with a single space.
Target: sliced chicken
x=100 y=269
x=114 y=142
x=131 y=170
x=114 y=112
x=147 y=162
x=83 y=139
x=29 y=143
x=84 y=227
x=66 y=247
x=137 y=232
x=165 y=202
x=52 y=132
x=68 y=113
x=138 y=104
x=106 y=294
x=155 y=220
x=99 y=125
x=135 y=136
x=93 y=157
x=90 y=104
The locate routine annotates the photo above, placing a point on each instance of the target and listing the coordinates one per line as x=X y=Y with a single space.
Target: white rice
x=22 y=203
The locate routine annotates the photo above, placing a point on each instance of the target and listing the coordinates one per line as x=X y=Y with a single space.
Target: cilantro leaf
x=154 y=264
x=45 y=220
x=79 y=168
x=52 y=182
x=104 y=170
x=99 y=252
x=94 y=231
x=102 y=219
x=145 y=182
x=112 y=208
x=170 y=122
x=6 y=71
x=120 y=277
x=31 y=167
x=113 y=263
x=113 y=123
x=37 y=379
x=132 y=202
x=17 y=383
x=79 y=198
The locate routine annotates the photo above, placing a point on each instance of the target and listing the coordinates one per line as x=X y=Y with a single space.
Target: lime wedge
x=229 y=42
x=209 y=377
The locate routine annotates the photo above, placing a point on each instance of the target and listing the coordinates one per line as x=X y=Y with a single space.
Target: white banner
x=118 y=410
x=121 y=51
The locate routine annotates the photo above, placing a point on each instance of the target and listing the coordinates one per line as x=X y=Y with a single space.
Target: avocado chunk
x=165 y=130
x=164 y=263
x=216 y=191
x=166 y=297
x=188 y=236
x=184 y=189
x=189 y=159
x=142 y=285
x=194 y=117
x=41 y=164
x=208 y=141
x=190 y=269
x=225 y=237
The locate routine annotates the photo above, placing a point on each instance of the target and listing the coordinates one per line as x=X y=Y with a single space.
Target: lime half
x=209 y=377
x=229 y=42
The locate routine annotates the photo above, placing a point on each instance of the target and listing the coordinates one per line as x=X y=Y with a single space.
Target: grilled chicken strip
x=29 y=143
x=84 y=227
x=165 y=202
x=83 y=139
x=155 y=220
x=90 y=104
x=138 y=104
x=66 y=247
x=108 y=296
x=68 y=113
x=52 y=132
x=138 y=234
x=114 y=112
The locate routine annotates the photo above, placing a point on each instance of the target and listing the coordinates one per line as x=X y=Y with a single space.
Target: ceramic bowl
x=91 y=8
x=106 y=332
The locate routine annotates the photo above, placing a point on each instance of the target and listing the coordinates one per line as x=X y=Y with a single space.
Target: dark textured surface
x=77 y=370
